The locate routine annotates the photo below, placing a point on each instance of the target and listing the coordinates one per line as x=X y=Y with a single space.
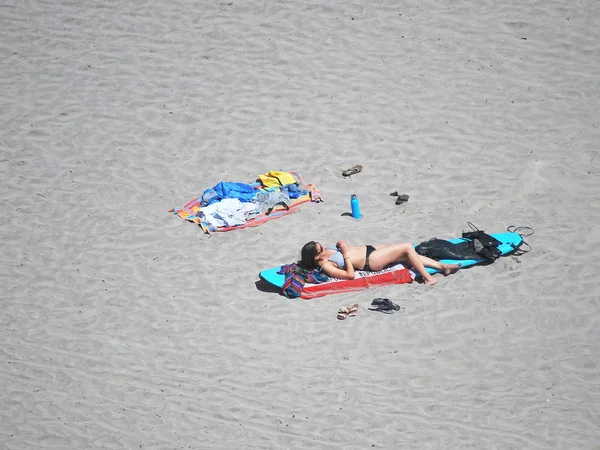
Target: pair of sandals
x=402 y=198
x=384 y=305
x=347 y=312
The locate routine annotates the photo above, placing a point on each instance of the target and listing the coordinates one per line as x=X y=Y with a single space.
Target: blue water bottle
x=355 y=207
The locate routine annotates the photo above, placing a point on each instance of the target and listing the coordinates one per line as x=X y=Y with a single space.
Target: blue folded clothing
x=228 y=189
x=293 y=190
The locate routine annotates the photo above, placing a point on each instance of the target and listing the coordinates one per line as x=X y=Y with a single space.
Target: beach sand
x=123 y=326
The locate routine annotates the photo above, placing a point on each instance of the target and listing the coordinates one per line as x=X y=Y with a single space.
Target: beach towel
x=269 y=202
x=296 y=277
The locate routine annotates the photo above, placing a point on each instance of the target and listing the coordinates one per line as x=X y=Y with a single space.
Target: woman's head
x=309 y=255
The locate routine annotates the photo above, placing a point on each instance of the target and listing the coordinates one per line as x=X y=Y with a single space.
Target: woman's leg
x=385 y=255
x=447 y=269
x=388 y=254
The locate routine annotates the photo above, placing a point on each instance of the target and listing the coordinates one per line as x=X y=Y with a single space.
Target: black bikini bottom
x=370 y=249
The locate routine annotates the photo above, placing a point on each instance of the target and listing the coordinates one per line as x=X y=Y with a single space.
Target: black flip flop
x=401 y=199
x=383 y=309
x=384 y=305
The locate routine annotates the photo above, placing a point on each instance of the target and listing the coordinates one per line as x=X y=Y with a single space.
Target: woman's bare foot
x=430 y=281
x=450 y=268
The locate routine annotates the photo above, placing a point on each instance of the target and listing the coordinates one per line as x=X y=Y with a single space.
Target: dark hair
x=309 y=251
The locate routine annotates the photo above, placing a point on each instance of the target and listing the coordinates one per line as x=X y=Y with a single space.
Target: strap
x=473 y=227
x=524 y=232
x=270 y=210
x=521 y=231
x=519 y=250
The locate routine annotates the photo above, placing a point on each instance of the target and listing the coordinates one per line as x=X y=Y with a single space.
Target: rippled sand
x=122 y=326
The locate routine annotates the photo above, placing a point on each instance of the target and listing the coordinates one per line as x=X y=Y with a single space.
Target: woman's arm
x=334 y=271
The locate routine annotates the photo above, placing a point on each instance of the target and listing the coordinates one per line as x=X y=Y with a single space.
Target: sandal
x=353 y=310
x=352 y=170
x=343 y=313
x=401 y=199
x=384 y=305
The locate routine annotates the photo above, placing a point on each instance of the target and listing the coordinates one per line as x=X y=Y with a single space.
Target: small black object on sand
x=352 y=170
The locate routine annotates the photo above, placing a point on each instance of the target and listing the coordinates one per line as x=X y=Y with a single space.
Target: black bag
x=477 y=245
x=484 y=245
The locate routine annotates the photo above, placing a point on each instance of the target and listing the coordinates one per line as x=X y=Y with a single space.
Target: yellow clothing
x=275 y=178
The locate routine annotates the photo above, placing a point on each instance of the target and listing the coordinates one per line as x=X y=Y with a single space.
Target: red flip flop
x=353 y=310
x=343 y=313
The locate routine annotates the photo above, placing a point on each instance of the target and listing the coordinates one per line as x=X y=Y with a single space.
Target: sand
x=123 y=326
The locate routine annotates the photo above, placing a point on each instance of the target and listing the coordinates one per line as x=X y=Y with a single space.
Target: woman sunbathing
x=341 y=261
